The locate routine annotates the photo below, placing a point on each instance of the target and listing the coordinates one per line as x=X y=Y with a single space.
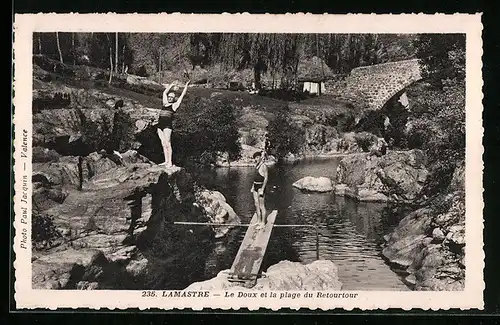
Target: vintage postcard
x=235 y=161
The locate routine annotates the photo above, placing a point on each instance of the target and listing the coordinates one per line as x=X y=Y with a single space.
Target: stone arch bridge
x=372 y=86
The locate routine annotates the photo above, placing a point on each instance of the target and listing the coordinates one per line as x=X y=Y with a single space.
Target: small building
x=313 y=86
x=312 y=75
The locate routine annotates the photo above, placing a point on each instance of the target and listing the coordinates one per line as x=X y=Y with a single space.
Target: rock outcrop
x=286 y=275
x=71 y=119
x=429 y=243
x=117 y=231
x=246 y=159
x=219 y=211
x=321 y=139
x=53 y=175
x=395 y=176
x=315 y=184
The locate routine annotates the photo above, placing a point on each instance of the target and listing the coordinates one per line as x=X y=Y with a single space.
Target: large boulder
x=217 y=210
x=314 y=184
x=394 y=176
x=286 y=275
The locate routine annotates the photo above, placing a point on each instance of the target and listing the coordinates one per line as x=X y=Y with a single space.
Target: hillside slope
x=69 y=102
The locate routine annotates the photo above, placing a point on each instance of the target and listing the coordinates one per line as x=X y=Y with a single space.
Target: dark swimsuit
x=258 y=180
x=166 y=117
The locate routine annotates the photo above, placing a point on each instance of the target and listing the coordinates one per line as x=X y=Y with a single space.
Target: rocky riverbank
x=429 y=243
x=286 y=275
x=117 y=230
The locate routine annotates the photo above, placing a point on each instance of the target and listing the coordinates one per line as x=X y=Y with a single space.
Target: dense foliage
x=43 y=228
x=437 y=120
x=204 y=129
x=283 y=137
x=279 y=54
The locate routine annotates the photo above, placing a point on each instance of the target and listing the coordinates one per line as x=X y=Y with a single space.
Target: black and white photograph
x=182 y=164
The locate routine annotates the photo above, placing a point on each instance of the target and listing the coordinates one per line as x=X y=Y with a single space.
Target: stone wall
x=372 y=86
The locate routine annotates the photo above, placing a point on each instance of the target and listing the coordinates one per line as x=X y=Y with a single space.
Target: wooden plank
x=246 y=265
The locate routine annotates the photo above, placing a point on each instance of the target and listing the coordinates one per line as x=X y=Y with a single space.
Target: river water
x=350 y=232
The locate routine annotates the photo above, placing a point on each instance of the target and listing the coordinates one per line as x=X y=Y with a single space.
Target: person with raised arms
x=165 y=122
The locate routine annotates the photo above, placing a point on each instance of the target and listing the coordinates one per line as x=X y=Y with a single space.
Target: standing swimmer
x=258 y=188
x=165 y=122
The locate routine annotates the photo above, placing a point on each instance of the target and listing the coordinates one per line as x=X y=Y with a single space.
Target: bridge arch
x=377 y=84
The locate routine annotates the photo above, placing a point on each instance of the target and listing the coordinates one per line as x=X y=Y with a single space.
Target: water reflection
x=349 y=235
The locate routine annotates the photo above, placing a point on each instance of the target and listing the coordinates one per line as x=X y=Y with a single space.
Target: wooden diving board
x=246 y=265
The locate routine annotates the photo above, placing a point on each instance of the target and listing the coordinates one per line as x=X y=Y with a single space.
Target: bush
x=398 y=116
x=342 y=122
x=372 y=122
x=439 y=127
x=43 y=228
x=202 y=129
x=365 y=140
x=252 y=138
x=142 y=71
x=283 y=137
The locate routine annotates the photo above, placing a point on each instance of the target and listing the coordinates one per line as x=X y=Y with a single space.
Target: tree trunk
x=256 y=77
x=59 y=48
x=73 y=48
x=110 y=65
x=39 y=43
x=159 y=65
x=116 y=52
x=123 y=60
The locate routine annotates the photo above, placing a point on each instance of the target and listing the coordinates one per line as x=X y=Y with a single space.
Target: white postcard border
x=26 y=24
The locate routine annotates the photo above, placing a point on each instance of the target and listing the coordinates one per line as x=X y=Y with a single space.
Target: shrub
x=43 y=228
x=398 y=116
x=283 y=137
x=439 y=127
x=365 y=140
x=142 y=71
x=252 y=138
x=342 y=122
x=203 y=129
x=372 y=122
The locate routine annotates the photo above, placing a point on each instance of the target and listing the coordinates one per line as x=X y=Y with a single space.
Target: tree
x=442 y=55
x=283 y=136
x=59 y=48
x=110 y=61
x=439 y=110
x=116 y=52
x=73 y=48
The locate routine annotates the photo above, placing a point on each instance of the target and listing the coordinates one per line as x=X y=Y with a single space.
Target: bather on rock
x=258 y=188
x=165 y=122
